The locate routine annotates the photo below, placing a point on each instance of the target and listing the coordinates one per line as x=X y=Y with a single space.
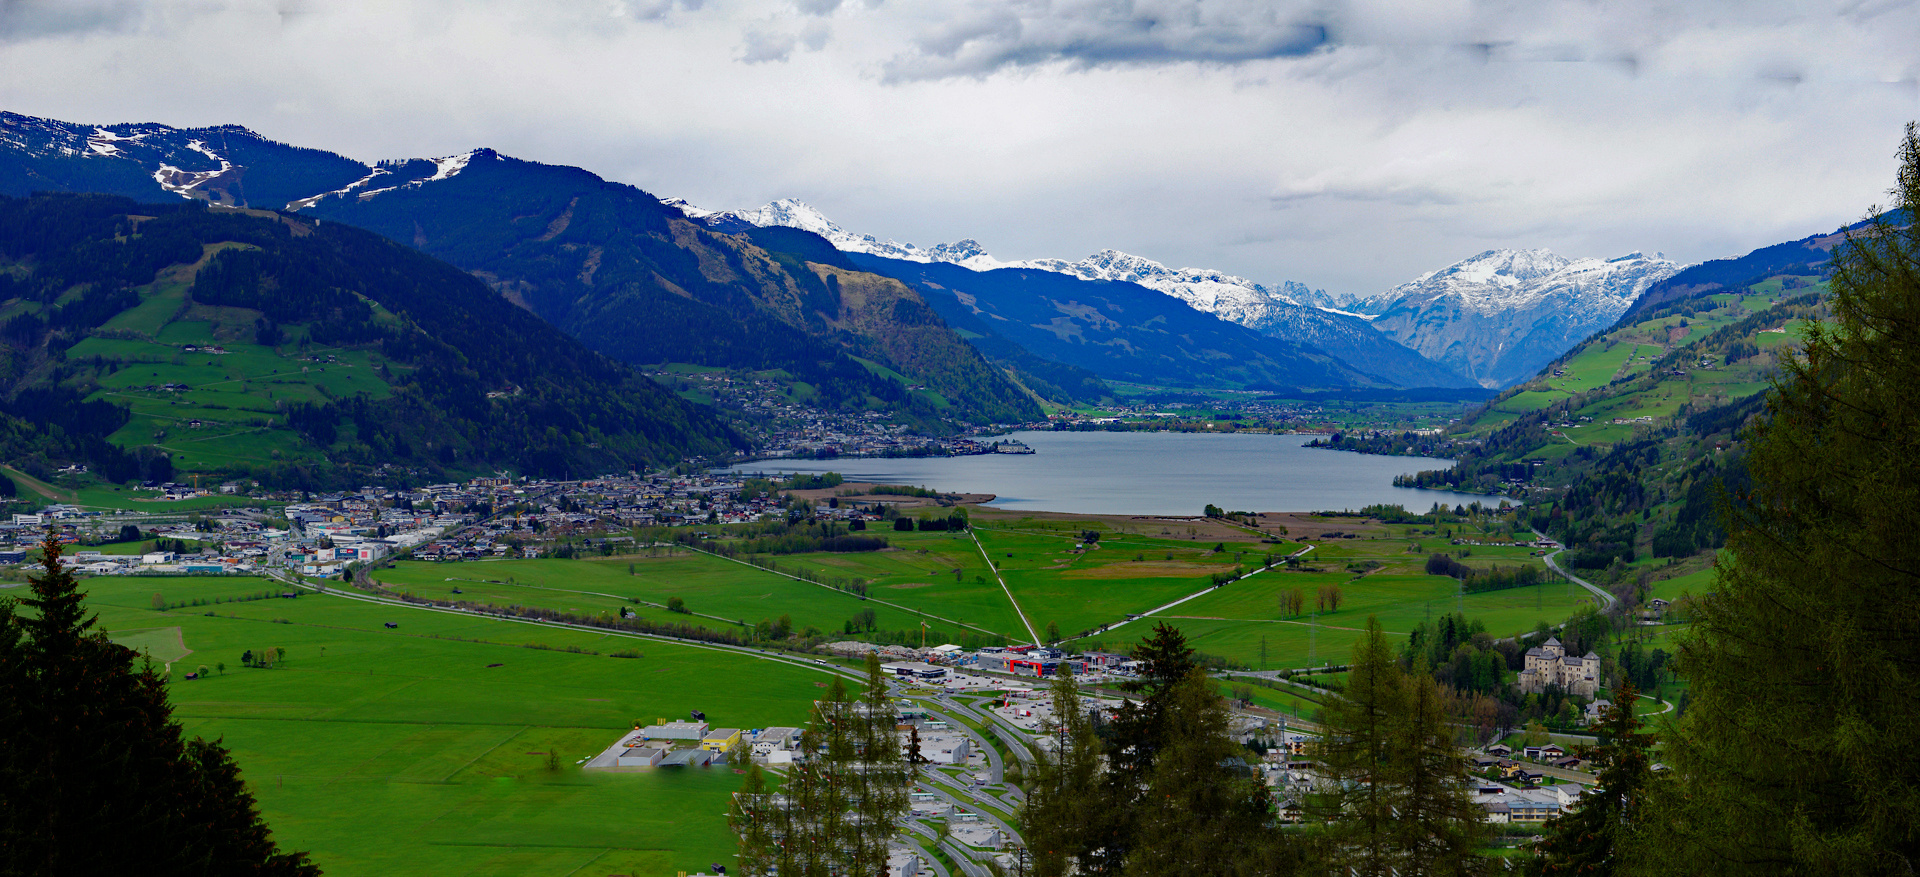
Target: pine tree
x=1356 y=757
x=1794 y=756
x=92 y=751
x=1203 y=813
x=1599 y=838
x=1437 y=830
x=1063 y=788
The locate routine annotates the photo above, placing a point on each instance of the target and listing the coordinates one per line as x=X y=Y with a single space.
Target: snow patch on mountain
x=185 y=182
x=311 y=200
x=1500 y=281
x=1224 y=295
x=104 y=142
x=792 y=213
x=445 y=168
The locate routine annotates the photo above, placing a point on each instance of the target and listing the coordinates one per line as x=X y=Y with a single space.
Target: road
x=1200 y=593
x=1606 y=599
x=1003 y=586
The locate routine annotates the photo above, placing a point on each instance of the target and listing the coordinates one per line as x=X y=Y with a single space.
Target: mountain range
x=864 y=322
x=642 y=282
x=1490 y=320
x=604 y=262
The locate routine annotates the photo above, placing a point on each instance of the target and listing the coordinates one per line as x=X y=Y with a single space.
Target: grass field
x=710 y=586
x=423 y=750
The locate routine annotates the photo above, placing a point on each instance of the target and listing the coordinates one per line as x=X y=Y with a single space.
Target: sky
x=1347 y=145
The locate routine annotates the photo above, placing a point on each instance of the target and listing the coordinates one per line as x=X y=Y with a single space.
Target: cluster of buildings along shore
x=477 y=519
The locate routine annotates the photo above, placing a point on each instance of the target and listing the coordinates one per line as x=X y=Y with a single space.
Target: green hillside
x=150 y=340
x=634 y=279
x=1621 y=447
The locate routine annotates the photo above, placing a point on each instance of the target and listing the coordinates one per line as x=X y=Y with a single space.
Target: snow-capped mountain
x=1216 y=292
x=225 y=164
x=1501 y=315
x=1229 y=297
x=798 y=214
x=1289 y=311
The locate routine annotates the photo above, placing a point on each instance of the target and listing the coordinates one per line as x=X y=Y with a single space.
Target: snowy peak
x=1502 y=280
x=792 y=213
x=1224 y=295
x=1500 y=315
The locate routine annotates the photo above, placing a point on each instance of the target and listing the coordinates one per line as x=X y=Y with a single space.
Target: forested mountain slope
x=1623 y=446
x=148 y=338
x=605 y=262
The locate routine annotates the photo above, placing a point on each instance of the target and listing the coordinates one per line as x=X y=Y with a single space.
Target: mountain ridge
x=1284 y=312
x=603 y=261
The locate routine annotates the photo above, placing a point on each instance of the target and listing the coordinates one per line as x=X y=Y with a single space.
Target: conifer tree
x=1436 y=828
x=843 y=797
x=1134 y=740
x=1600 y=838
x=1062 y=788
x=755 y=817
x=879 y=777
x=92 y=752
x=1795 y=753
x=1203 y=813
x=1356 y=756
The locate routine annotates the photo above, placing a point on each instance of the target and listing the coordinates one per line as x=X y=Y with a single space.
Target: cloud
x=984 y=38
x=770 y=42
x=31 y=19
x=1347 y=144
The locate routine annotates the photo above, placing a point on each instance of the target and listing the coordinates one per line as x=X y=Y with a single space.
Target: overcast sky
x=1346 y=145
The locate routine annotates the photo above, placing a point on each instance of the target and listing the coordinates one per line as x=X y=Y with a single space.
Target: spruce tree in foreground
x=1601 y=838
x=1135 y=738
x=1396 y=790
x=843 y=797
x=1796 y=754
x=94 y=775
x=1204 y=813
x=1063 y=788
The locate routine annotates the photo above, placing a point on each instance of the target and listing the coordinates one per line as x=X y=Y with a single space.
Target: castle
x=1548 y=664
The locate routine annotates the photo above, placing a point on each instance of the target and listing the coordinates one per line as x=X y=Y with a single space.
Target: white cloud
x=1342 y=143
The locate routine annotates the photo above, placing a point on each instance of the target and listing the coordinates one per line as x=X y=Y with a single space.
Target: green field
x=710 y=586
x=423 y=749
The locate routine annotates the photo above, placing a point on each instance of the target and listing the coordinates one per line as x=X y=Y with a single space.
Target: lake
x=1152 y=473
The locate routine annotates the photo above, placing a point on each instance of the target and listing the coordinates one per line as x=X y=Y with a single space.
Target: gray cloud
x=1101 y=33
x=30 y=19
x=771 y=42
x=1347 y=144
